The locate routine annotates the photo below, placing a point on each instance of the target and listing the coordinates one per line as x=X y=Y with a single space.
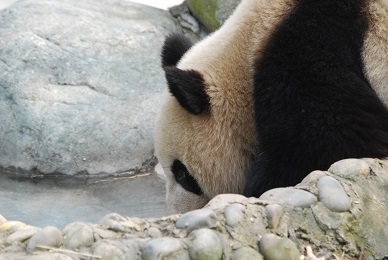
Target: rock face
x=233 y=226
x=212 y=13
x=80 y=82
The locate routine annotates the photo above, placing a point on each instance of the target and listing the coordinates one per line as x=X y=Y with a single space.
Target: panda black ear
x=188 y=87
x=173 y=49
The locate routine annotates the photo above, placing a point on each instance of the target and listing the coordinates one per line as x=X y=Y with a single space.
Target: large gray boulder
x=80 y=82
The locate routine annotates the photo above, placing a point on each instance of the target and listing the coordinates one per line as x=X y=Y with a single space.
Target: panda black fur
x=287 y=86
x=315 y=105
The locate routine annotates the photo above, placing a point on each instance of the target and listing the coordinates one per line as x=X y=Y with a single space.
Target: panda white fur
x=284 y=87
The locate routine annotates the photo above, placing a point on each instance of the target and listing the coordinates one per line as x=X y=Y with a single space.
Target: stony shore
x=338 y=213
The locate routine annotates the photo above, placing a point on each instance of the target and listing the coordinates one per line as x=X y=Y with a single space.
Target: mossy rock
x=212 y=13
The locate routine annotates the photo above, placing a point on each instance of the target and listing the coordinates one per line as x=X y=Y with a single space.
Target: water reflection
x=59 y=200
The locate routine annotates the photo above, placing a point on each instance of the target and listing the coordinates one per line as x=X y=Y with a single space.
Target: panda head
x=205 y=134
x=205 y=137
x=201 y=145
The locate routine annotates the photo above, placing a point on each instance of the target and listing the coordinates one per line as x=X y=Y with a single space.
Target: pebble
x=154 y=232
x=333 y=195
x=165 y=248
x=222 y=200
x=234 y=213
x=313 y=176
x=118 y=223
x=200 y=218
x=205 y=244
x=290 y=196
x=48 y=236
x=108 y=251
x=100 y=233
x=350 y=168
x=273 y=247
x=22 y=234
x=246 y=253
x=112 y=218
x=78 y=235
x=117 y=250
x=274 y=212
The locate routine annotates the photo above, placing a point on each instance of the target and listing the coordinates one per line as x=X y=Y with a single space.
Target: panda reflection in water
x=283 y=88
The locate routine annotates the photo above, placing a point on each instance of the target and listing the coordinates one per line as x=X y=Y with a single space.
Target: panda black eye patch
x=184 y=178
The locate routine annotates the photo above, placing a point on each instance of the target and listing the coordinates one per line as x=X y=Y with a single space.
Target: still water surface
x=60 y=200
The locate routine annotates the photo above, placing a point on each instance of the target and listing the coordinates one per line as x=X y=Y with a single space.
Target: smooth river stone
x=162 y=248
x=222 y=200
x=22 y=235
x=48 y=236
x=108 y=250
x=313 y=176
x=205 y=244
x=154 y=232
x=200 y=218
x=234 y=213
x=119 y=223
x=246 y=253
x=274 y=212
x=273 y=247
x=333 y=195
x=349 y=168
x=118 y=249
x=78 y=235
x=290 y=196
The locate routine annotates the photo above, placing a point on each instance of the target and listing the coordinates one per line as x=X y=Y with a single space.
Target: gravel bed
x=333 y=212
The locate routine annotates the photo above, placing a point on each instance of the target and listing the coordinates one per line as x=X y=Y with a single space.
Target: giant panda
x=283 y=88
